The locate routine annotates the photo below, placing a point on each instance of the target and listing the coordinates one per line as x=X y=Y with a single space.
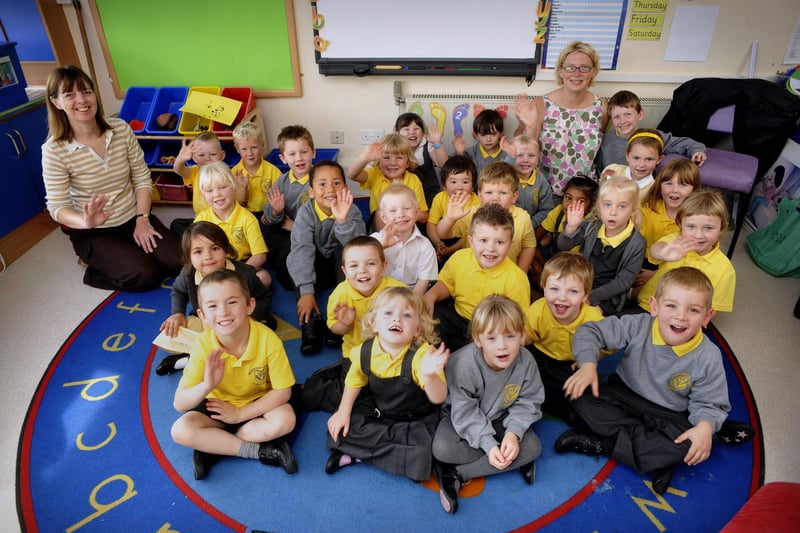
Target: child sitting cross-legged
x=494 y=397
x=668 y=396
x=234 y=392
x=390 y=425
x=473 y=273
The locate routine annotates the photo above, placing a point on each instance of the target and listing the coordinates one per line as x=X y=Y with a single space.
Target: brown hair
x=565 y=264
x=687 y=171
x=63 y=79
x=219 y=277
x=625 y=99
x=210 y=231
x=648 y=138
x=364 y=240
x=294 y=133
x=493 y=215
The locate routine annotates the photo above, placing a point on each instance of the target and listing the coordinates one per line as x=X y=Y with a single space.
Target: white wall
x=351 y=104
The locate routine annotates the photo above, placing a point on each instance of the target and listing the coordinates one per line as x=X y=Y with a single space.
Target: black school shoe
x=528 y=472
x=312 y=335
x=579 y=441
x=662 y=477
x=202 y=463
x=450 y=482
x=733 y=432
x=278 y=453
x=332 y=340
x=167 y=365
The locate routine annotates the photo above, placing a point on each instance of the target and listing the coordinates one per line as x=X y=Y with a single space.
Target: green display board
x=249 y=43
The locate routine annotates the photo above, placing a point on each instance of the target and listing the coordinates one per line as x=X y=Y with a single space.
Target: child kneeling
x=495 y=395
x=234 y=392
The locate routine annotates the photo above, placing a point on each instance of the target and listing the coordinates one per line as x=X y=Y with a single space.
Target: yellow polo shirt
x=242 y=229
x=549 y=335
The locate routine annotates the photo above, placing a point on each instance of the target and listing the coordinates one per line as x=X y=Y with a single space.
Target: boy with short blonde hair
x=475 y=272
x=702 y=219
x=668 y=396
x=410 y=256
x=535 y=194
x=498 y=184
x=254 y=174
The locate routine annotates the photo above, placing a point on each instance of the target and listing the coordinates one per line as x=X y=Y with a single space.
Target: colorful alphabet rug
x=95 y=454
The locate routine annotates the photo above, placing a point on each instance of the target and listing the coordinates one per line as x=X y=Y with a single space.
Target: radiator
x=453 y=113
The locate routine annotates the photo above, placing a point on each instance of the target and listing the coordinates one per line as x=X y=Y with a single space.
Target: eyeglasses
x=573 y=68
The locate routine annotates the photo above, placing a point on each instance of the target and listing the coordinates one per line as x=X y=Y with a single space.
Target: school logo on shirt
x=679 y=382
x=259 y=375
x=238 y=234
x=511 y=393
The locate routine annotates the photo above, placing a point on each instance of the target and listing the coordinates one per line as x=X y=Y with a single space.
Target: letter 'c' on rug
x=95 y=454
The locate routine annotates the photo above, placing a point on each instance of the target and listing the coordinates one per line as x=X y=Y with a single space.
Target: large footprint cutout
x=459 y=114
x=439 y=114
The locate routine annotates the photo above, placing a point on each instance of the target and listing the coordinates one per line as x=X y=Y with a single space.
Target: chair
x=730 y=171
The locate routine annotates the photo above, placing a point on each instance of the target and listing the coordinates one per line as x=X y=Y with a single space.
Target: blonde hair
x=704 y=202
x=411 y=299
x=209 y=137
x=499 y=172
x=216 y=172
x=565 y=264
x=584 y=48
x=621 y=185
x=688 y=278
x=249 y=131
x=688 y=174
x=398 y=189
x=524 y=140
x=394 y=143
x=497 y=313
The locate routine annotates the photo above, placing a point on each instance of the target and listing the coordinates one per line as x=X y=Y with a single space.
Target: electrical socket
x=337 y=137
x=371 y=136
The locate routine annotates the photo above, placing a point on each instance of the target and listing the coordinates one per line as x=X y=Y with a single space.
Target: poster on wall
x=569 y=20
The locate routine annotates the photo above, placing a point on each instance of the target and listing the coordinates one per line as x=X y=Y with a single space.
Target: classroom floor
x=43 y=300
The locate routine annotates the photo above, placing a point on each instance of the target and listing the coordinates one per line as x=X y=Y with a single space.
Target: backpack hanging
x=776 y=247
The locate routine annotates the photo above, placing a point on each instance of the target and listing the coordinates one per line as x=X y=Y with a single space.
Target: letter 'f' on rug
x=95 y=454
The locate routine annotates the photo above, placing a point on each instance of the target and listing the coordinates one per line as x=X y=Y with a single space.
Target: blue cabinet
x=22 y=133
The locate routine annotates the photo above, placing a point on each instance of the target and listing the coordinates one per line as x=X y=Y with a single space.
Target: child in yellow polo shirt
x=702 y=218
x=288 y=192
x=254 y=175
x=218 y=186
x=551 y=322
x=234 y=393
x=498 y=183
x=203 y=149
x=476 y=272
x=383 y=163
x=458 y=175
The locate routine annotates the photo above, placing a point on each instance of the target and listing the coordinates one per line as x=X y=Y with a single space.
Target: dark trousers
x=279 y=244
x=328 y=273
x=116 y=262
x=554 y=374
x=638 y=432
x=453 y=328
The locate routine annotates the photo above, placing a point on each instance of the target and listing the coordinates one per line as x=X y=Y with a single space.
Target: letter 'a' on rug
x=95 y=454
